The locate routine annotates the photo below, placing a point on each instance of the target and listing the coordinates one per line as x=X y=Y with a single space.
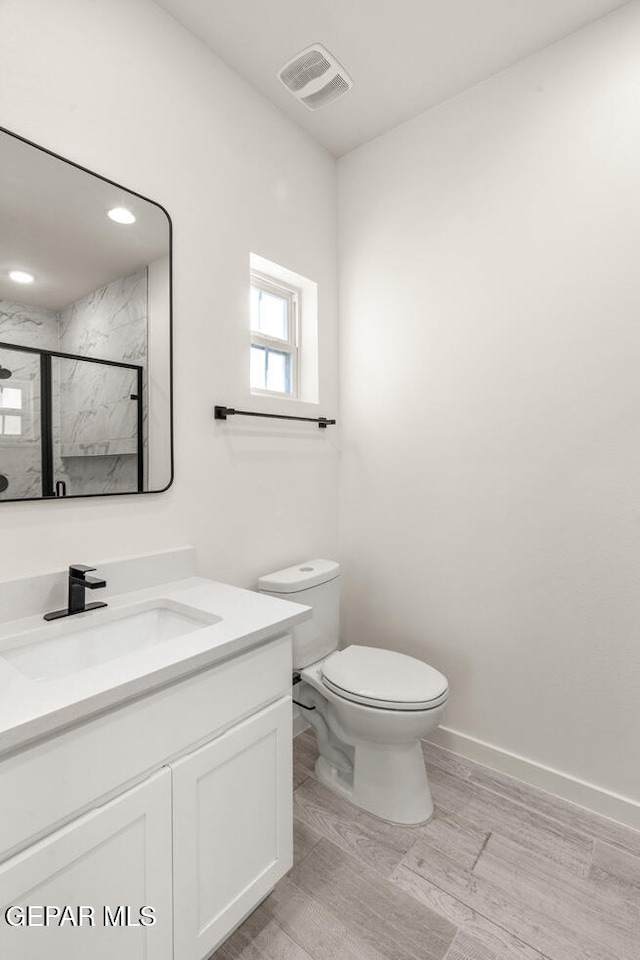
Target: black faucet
x=78 y=584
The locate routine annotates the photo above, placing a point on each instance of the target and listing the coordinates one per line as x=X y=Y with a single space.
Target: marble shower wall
x=96 y=432
x=95 y=420
x=29 y=326
x=110 y=323
x=20 y=460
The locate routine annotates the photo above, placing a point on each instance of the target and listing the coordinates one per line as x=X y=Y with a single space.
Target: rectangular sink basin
x=88 y=640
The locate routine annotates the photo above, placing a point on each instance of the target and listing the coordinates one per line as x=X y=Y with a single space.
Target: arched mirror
x=85 y=332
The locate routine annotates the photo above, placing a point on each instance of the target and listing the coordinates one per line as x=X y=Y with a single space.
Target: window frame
x=291 y=345
x=25 y=414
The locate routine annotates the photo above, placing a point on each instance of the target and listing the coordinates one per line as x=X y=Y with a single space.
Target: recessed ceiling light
x=21 y=276
x=121 y=215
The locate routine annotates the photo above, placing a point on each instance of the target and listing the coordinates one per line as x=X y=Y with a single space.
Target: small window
x=15 y=412
x=275 y=319
x=10 y=412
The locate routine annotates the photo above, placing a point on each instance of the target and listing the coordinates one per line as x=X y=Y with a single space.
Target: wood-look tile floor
x=501 y=872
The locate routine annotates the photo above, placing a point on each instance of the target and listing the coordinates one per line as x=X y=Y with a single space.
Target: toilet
x=369 y=707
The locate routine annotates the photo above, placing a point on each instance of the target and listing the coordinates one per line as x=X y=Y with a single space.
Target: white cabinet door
x=232 y=833
x=118 y=855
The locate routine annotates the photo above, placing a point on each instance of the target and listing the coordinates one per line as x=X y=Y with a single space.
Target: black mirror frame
x=113 y=183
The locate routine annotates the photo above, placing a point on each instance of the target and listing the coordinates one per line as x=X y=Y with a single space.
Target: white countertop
x=32 y=709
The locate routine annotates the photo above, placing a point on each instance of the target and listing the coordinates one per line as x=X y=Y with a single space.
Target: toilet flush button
x=305 y=569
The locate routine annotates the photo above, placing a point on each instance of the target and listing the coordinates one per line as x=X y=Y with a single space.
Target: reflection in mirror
x=85 y=332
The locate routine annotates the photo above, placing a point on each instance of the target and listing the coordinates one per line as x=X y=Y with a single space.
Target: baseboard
x=584 y=794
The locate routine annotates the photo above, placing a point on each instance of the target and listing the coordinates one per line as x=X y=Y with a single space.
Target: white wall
x=490 y=342
x=119 y=87
x=158 y=378
x=490 y=338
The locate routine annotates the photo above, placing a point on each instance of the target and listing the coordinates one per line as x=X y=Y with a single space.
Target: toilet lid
x=383 y=678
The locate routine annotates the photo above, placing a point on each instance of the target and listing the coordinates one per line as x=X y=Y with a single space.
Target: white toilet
x=372 y=706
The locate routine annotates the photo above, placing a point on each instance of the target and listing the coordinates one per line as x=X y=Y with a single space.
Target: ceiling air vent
x=315 y=77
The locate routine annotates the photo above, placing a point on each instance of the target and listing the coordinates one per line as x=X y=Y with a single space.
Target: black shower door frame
x=46 y=408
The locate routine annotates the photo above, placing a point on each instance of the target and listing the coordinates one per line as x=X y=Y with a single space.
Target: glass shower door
x=20 y=425
x=97 y=428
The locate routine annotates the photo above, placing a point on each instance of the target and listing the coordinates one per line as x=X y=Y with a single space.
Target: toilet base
x=389 y=781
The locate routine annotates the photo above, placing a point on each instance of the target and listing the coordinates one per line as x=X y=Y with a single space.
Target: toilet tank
x=316 y=583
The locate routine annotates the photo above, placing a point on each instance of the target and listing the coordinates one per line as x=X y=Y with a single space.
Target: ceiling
x=53 y=224
x=404 y=56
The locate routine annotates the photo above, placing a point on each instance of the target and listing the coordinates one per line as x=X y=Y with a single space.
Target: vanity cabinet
x=179 y=801
x=232 y=839
x=116 y=856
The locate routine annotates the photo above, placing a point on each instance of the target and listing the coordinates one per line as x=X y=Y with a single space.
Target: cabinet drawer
x=51 y=782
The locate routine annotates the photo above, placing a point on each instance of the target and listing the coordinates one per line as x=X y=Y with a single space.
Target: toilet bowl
x=369 y=707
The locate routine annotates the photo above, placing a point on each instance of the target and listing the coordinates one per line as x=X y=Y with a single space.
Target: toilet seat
x=384 y=679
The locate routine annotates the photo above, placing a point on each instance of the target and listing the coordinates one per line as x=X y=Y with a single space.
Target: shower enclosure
x=70 y=425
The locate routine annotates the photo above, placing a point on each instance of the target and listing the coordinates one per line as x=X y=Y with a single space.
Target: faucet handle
x=79 y=570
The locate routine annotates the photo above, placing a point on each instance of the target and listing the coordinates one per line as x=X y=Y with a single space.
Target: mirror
x=85 y=332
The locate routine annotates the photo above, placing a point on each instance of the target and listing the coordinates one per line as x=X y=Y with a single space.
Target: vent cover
x=315 y=77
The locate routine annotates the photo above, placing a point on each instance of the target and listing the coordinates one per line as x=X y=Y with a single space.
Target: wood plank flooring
x=501 y=872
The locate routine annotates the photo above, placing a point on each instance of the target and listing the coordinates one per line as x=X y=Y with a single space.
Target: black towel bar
x=221 y=413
